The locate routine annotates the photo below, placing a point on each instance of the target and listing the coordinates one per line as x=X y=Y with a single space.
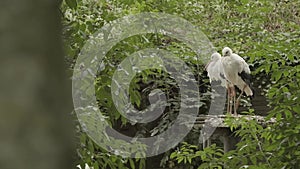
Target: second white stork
x=215 y=73
x=215 y=69
x=237 y=72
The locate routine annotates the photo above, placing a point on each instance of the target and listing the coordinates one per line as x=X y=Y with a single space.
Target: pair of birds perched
x=232 y=70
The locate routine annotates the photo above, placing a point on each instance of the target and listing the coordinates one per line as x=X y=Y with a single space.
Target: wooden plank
x=218 y=120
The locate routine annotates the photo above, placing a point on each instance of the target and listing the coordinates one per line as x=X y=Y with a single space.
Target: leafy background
x=265 y=33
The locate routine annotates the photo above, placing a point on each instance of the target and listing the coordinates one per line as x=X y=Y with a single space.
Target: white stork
x=215 y=72
x=237 y=73
x=215 y=69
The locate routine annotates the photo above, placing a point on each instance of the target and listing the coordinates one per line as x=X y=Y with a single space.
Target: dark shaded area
x=35 y=100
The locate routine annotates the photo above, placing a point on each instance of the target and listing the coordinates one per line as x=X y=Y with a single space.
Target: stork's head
x=226 y=51
x=215 y=56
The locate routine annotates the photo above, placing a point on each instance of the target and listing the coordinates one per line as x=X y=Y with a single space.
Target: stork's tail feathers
x=249 y=91
x=247 y=79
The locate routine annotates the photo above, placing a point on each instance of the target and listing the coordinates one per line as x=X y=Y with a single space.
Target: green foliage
x=71 y=3
x=95 y=156
x=259 y=147
x=190 y=156
x=265 y=33
x=271 y=44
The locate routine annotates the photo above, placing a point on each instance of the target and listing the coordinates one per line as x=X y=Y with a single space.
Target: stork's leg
x=234 y=105
x=239 y=98
x=234 y=101
x=230 y=105
x=232 y=93
x=228 y=100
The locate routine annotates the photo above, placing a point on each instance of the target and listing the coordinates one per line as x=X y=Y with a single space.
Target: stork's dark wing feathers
x=247 y=79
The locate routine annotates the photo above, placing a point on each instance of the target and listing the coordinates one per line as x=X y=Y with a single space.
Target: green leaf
x=267 y=68
x=278 y=116
x=277 y=75
x=296 y=109
x=291 y=57
x=190 y=160
x=83 y=139
x=174 y=154
x=285 y=89
x=179 y=159
x=71 y=3
x=95 y=165
x=142 y=164
x=288 y=114
x=91 y=146
x=132 y=165
x=253 y=160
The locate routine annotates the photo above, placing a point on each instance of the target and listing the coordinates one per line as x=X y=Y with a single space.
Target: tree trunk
x=34 y=93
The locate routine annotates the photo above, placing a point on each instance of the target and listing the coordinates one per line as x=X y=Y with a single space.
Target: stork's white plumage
x=215 y=69
x=237 y=72
x=215 y=72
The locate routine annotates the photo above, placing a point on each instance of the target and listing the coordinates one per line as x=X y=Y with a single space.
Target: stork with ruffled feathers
x=215 y=69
